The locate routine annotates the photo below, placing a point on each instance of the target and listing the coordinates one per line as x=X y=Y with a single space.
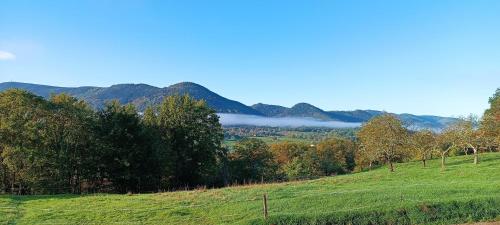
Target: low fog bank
x=227 y=119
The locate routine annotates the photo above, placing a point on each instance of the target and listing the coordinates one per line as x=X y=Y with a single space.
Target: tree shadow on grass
x=26 y=198
x=462 y=160
x=489 y=157
x=483 y=158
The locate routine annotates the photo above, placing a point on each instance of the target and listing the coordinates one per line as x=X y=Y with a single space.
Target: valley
x=301 y=114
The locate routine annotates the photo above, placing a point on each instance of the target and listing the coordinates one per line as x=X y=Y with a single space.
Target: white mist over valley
x=228 y=119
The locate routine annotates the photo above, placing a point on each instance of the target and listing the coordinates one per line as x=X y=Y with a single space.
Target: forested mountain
x=356 y=116
x=142 y=95
x=217 y=102
x=307 y=110
x=270 y=110
x=298 y=110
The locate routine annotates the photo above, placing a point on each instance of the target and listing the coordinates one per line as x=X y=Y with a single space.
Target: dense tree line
x=61 y=145
x=252 y=160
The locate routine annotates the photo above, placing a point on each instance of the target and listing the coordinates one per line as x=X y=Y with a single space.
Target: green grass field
x=411 y=195
x=273 y=139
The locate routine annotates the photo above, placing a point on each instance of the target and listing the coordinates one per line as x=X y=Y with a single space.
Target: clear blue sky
x=423 y=56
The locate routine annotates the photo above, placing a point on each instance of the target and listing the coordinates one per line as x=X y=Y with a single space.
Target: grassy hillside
x=463 y=193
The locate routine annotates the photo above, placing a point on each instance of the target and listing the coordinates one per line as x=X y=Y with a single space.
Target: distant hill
x=356 y=116
x=298 y=110
x=219 y=103
x=142 y=95
x=307 y=110
x=270 y=110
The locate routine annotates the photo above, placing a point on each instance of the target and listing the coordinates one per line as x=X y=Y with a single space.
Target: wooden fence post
x=265 y=206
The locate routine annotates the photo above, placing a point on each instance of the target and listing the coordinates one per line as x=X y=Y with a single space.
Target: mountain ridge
x=142 y=95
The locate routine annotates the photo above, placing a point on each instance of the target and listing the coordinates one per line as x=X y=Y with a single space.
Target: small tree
x=251 y=160
x=423 y=143
x=336 y=155
x=385 y=137
x=285 y=152
x=467 y=135
x=446 y=141
x=305 y=166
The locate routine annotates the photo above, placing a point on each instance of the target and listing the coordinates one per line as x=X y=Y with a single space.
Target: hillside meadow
x=411 y=195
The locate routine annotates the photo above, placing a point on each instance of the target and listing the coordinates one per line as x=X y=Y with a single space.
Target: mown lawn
x=412 y=192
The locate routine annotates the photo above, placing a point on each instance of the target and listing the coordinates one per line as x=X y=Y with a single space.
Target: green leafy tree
x=305 y=166
x=336 y=155
x=192 y=137
x=22 y=119
x=251 y=161
x=128 y=158
x=70 y=143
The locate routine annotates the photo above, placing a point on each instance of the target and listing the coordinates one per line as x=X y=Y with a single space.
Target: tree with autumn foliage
x=490 y=123
x=423 y=143
x=336 y=155
x=384 y=137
